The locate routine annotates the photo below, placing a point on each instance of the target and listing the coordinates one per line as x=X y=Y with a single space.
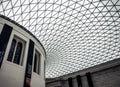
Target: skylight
x=76 y=34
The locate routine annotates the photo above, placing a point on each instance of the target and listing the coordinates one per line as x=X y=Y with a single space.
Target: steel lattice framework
x=76 y=34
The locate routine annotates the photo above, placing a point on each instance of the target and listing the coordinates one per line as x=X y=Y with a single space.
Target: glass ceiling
x=76 y=34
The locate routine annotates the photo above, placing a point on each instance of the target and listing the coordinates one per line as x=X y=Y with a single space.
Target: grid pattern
x=76 y=34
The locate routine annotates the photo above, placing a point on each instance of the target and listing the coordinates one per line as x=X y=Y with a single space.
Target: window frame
x=38 y=61
x=23 y=42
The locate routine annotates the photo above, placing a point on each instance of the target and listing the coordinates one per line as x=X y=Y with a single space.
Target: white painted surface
x=11 y=74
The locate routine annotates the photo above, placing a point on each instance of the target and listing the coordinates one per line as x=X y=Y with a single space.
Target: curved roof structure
x=76 y=34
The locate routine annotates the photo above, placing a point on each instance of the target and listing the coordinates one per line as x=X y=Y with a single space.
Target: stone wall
x=103 y=75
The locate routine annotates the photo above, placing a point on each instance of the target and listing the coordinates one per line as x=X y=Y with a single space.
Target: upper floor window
x=37 y=63
x=16 y=51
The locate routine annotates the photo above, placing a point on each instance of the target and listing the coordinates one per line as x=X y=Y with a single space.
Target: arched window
x=37 y=60
x=11 y=52
x=16 y=51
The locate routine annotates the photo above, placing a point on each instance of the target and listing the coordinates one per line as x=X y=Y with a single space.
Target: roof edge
x=14 y=22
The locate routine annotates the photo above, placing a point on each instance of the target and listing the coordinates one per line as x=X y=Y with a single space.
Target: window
x=37 y=62
x=16 y=51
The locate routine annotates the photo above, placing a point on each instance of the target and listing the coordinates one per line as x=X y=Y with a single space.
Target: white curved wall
x=11 y=74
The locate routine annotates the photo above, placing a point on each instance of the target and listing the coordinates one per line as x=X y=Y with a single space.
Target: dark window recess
x=79 y=82
x=89 y=79
x=18 y=53
x=10 y=56
x=28 y=72
x=4 y=38
x=70 y=82
x=37 y=62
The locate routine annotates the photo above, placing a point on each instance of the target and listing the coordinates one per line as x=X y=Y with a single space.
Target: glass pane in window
x=11 y=52
x=38 y=63
x=18 y=53
x=35 y=63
